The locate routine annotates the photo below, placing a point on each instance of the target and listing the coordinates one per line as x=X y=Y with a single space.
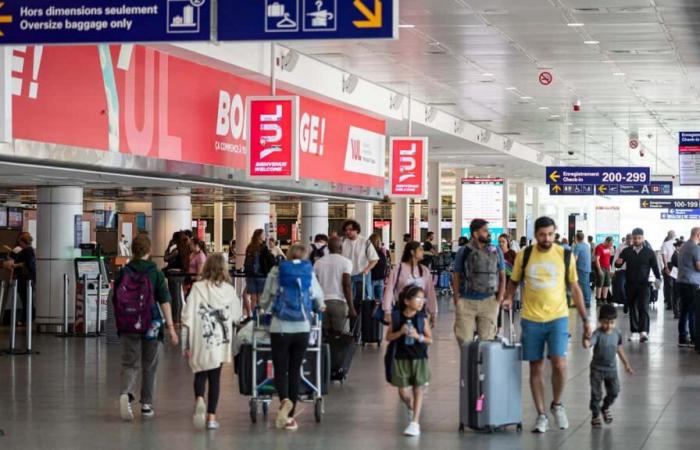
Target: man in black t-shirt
x=429 y=249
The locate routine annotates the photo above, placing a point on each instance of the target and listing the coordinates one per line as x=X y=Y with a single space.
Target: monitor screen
x=89 y=267
x=14 y=218
x=99 y=218
x=3 y=217
x=140 y=221
x=110 y=220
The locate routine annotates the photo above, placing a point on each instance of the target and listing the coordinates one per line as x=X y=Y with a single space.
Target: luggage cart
x=264 y=391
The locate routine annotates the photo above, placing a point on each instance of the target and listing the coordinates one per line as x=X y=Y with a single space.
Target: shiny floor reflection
x=66 y=398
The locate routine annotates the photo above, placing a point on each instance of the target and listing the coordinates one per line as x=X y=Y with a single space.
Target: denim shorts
x=535 y=334
x=254 y=285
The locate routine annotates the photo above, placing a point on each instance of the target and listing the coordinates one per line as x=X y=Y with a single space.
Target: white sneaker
x=125 y=407
x=559 y=413
x=212 y=425
x=634 y=337
x=147 y=411
x=541 y=424
x=199 y=418
x=413 y=430
x=644 y=337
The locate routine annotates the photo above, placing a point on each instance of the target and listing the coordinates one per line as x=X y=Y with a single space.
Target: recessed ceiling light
x=619 y=74
x=591 y=42
x=574 y=24
x=406 y=25
x=525 y=97
x=511 y=88
x=543 y=108
x=487 y=74
x=554 y=116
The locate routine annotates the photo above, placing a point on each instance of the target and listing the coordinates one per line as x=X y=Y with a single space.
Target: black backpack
x=381 y=270
x=317 y=253
x=567 y=263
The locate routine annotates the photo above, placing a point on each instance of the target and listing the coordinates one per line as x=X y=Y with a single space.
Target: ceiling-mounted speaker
x=289 y=60
x=430 y=114
x=396 y=101
x=350 y=83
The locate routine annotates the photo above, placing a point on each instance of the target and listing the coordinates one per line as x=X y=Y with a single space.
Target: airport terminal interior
x=434 y=223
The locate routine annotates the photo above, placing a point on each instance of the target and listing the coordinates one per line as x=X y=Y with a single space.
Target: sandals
x=597 y=422
x=291 y=425
x=607 y=416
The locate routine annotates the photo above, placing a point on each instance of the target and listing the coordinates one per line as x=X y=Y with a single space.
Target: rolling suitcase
x=342 y=348
x=371 y=328
x=490 y=395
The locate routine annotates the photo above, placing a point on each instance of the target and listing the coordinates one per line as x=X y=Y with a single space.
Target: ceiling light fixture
x=406 y=25
x=575 y=24
x=619 y=74
x=511 y=88
x=525 y=97
x=591 y=42
x=543 y=108
x=487 y=74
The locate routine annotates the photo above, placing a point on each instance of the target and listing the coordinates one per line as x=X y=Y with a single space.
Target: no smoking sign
x=546 y=78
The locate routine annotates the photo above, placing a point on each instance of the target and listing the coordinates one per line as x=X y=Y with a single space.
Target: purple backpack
x=133 y=302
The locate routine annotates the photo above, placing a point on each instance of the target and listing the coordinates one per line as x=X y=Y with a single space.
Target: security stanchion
x=13 y=318
x=13 y=326
x=64 y=332
x=29 y=306
x=98 y=320
x=85 y=306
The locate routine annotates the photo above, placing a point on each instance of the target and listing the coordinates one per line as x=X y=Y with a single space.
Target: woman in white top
x=207 y=320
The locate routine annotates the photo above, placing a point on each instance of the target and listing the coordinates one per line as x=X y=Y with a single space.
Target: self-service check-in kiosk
x=92 y=283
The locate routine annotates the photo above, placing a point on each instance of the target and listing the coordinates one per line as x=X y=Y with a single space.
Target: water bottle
x=409 y=340
x=153 y=330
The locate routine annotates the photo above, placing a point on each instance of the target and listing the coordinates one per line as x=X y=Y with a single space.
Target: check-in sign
x=409 y=167
x=273 y=145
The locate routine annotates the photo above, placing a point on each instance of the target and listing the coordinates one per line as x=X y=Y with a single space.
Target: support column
x=171 y=212
x=314 y=219
x=435 y=200
x=457 y=230
x=56 y=210
x=520 y=209
x=364 y=215
x=218 y=226
x=535 y=202
x=250 y=216
x=140 y=207
x=415 y=231
x=399 y=225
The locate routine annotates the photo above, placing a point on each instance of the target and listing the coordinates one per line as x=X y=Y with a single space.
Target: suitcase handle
x=511 y=321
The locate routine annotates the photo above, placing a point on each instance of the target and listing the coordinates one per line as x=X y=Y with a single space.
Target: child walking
x=607 y=343
x=409 y=336
x=207 y=333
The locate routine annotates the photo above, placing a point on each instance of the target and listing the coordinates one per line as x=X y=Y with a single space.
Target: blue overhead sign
x=681 y=203
x=280 y=20
x=597 y=175
x=98 y=21
x=653 y=188
x=577 y=189
x=681 y=215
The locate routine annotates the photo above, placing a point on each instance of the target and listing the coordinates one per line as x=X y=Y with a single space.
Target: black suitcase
x=342 y=348
x=244 y=359
x=371 y=328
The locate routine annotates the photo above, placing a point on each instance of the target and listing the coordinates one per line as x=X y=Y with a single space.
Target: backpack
x=134 y=302
x=567 y=263
x=481 y=269
x=381 y=269
x=293 y=301
x=251 y=265
x=317 y=253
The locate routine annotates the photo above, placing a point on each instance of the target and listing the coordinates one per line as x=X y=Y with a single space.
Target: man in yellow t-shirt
x=545 y=317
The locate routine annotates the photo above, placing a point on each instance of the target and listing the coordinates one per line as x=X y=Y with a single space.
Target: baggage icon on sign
x=281 y=15
x=320 y=15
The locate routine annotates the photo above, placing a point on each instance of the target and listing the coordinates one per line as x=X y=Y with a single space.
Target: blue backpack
x=293 y=301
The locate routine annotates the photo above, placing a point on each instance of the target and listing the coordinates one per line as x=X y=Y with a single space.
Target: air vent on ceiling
x=509 y=133
x=621 y=52
x=487 y=81
x=589 y=10
x=435 y=48
x=442 y=104
x=481 y=121
x=631 y=10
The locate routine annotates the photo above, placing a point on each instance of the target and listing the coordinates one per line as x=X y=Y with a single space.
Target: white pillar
x=171 y=212
x=506 y=203
x=56 y=210
x=521 y=209
x=399 y=224
x=140 y=207
x=250 y=216
x=415 y=235
x=457 y=231
x=535 y=202
x=314 y=219
x=364 y=215
x=435 y=200
x=218 y=226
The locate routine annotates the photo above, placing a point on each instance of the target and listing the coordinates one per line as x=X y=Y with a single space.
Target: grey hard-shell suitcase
x=490 y=384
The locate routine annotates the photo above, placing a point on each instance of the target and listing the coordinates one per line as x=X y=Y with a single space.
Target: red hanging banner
x=409 y=167
x=273 y=146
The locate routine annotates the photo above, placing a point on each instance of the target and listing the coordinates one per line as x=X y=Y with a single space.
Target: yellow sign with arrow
x=4 y=18
x=602 y=189
x=554 y=176
x=373 y=19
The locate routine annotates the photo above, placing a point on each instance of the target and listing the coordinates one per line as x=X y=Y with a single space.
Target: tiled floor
x=66 y=398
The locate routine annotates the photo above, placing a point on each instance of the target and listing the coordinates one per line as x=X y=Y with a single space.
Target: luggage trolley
x=263 y=392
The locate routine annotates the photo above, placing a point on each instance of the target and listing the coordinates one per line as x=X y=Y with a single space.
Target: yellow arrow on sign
x=556 y=188
x=554 y=176
x=602 y=188
x=374 y=18
x=5 y=18
x=645 y=204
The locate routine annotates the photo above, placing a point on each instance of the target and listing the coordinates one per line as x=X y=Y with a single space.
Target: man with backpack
x=479 y=285
x=546 y=270
x=142 y=312
x=319 y=248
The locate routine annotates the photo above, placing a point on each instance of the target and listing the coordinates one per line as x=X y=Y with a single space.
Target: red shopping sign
x=409 y=164
x=273 y=146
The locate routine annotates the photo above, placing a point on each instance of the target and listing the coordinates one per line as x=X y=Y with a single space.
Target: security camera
x=571 y=152
x=649 y=136
x=642 y=152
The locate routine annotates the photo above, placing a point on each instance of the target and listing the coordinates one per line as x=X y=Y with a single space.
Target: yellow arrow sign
x=374 y=18
x=554 y=176
x=645 y=204
x=5 y=18
x=556 y=188
x=602 y=188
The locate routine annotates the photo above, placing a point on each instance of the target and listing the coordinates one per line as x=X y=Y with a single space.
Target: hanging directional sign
x=681 y=214
x=652 y=203
x=654 y=188
x=571 y=189
x=279 y=20
x=689 y=157
x=597 y=175
x=80 y=21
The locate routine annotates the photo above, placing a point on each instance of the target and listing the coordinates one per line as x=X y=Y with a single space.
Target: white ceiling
x=480 y=59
